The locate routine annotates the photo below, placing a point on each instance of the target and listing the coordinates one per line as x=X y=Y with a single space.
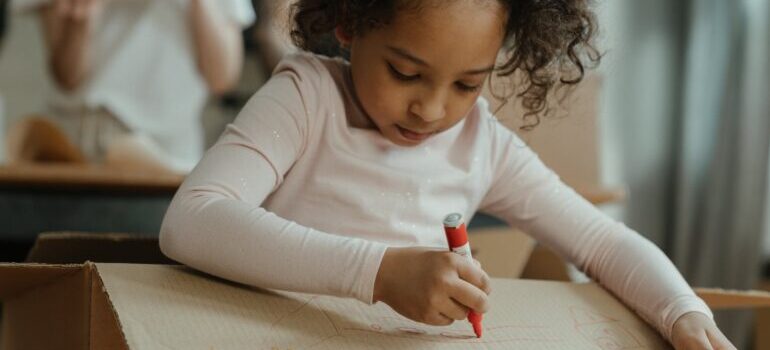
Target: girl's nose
x=429 y=109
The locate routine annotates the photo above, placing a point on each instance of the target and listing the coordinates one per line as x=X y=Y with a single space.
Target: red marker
x=458 y=243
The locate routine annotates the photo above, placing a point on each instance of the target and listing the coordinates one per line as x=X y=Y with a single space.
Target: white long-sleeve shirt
x=292 y=197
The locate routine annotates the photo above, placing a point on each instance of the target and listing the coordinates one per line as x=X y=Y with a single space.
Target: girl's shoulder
x=309 y=66
x=315 y=77
x=499 y=135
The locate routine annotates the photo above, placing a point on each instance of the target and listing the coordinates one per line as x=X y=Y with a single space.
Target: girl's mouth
x=413 y=136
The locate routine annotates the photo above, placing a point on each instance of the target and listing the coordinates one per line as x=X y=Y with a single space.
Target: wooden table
x=86 y=177
x=36 y=198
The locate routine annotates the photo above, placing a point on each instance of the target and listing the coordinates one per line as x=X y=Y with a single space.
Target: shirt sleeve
x=216 y=223
x=528 y=195
x=239 y=11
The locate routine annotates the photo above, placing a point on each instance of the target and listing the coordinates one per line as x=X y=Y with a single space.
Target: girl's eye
x=401 y=76
x=467 y=88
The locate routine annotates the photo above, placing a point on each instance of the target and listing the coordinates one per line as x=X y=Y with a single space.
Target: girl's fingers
x=469 y=296
x=697 y=341
x=439 y=319
x=477 y=263
x=474 y=276
x=718 y=340
x=454 y=310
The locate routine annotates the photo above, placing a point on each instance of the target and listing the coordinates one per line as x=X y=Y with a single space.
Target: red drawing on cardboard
x=604 y=331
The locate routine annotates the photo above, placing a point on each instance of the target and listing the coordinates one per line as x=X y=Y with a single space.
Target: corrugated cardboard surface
x=122 y=306
x=174 y=307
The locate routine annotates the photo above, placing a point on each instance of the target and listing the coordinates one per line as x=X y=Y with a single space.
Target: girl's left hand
x=696 y=331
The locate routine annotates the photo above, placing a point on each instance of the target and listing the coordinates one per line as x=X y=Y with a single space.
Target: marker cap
x=455 y=231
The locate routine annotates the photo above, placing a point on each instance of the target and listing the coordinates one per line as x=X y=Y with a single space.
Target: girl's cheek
x=390 y=94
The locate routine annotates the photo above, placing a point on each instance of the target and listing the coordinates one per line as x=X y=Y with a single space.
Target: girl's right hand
x=431 y=286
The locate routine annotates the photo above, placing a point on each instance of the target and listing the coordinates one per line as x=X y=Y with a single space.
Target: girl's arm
x=218 y=45
x=68 y=27
x=530 y=196
x=216 y=222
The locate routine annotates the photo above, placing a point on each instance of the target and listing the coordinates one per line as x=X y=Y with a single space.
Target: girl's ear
x=343 y=37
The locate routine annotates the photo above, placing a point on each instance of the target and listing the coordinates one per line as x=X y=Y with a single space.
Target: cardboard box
x=544 y=264
x=135 y=306
x=568 y=139
x=503 y=252
x=79 y=247
x=151 y=306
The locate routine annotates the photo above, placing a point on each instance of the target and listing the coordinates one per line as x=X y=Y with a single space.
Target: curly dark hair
x=547 y=42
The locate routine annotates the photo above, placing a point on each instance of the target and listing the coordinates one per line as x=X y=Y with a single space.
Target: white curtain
x=687 y=126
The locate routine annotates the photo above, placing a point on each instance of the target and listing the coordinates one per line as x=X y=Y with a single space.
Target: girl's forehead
x=415 y=6
x=475 y=17
x=456 y=27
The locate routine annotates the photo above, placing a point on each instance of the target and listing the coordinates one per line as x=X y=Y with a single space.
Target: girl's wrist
x=383 y=274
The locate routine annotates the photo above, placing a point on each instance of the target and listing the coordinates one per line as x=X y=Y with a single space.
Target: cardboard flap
x=163 y=306
x=568 y=145
x=105 y=329
x=17 y=278
x=53 y=311
x=733 y=299
x=503 y=252
x=79 y=247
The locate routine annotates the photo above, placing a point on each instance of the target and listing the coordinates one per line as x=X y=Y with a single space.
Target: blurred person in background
x=132 y=78
x=270 y=33
x=271 y=38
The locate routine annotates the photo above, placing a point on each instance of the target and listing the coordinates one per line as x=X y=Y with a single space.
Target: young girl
x=335 y=177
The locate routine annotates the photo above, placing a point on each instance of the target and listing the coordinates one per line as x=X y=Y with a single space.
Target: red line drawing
x=605 y=332
x=329 y=322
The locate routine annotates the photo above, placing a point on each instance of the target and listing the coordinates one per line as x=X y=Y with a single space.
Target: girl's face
x=421 y=74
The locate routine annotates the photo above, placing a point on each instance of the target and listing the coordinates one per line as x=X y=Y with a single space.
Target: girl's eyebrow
x=406 y=55
x=479 y=71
